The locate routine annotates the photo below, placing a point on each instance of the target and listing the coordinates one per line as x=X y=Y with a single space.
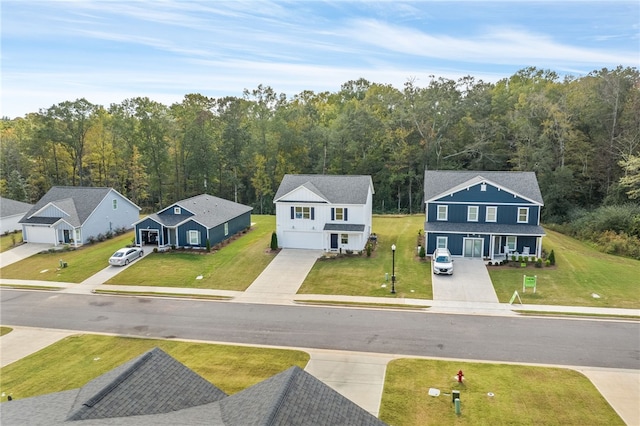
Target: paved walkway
x=359 y=377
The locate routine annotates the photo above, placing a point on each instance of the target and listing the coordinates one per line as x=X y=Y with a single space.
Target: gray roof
x=346 y=227
x=483 y=228
x=155 y=389
x=440 y=182
x=336 y=189
x=77 y=201
x=10 y=207
x=208 y=210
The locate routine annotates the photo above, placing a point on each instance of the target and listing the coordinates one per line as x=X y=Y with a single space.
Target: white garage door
x=301 y=240
x=40 y=234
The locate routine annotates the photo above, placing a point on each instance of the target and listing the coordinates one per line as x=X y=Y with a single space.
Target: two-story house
x=327 y=212
x=483 y=214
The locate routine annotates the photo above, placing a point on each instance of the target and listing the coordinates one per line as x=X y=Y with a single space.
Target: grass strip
x=31 y=287
x=521 y=395
x=154 y=294
x=361 y=304
x=5 y=330
x=576 y=314
x=75 y=360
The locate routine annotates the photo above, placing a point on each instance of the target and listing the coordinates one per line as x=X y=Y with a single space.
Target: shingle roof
x=483 y=228
x=10 y=207
x=336 y=189
x=437 y=182
x=153 y=383
x=208 y=210
x=155 y=389
x=77 y=201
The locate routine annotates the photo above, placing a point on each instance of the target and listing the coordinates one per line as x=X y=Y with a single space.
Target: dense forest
x=581 y=135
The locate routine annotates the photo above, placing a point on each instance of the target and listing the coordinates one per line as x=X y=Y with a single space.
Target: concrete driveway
x=470 y=282
x=20 y=252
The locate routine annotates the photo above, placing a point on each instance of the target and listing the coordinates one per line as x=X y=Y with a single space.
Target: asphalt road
x=595 y=343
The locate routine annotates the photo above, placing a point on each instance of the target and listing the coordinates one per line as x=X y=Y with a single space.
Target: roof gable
x=335 y=189
x=153 y=383
x=440 y=183
x=205 y=209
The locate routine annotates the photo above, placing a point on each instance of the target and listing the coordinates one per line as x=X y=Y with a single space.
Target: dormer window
x=177 y=210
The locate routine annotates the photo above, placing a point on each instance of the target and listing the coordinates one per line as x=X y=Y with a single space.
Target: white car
x=442 y=262
x=125 y=255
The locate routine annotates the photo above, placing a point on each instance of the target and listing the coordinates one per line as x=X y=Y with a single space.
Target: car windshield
x=442 y=259
x=118 y=254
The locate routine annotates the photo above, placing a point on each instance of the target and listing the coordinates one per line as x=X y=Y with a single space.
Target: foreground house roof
x=155 y=389
x=334 y=189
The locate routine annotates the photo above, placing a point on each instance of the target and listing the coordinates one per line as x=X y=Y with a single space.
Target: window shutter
x=333 y=213
x=313 y=213
x=293 y=213
x=345 y=214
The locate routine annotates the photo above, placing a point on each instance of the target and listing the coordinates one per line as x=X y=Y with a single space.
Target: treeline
x=581 y=136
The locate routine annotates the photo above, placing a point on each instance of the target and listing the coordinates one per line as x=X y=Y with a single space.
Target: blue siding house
x=191 y=222
x=483 y=214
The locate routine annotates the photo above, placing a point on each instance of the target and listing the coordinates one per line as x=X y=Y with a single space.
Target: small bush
x=274 y=241
x=368 y=249
x=101 y=237
x=208 y=245
x=538 y=263
x=547 y=262
x=108 y=235
x=513 y=258
x=91 y=239
x=155 y=249
x=422 y=252
x=552 y=258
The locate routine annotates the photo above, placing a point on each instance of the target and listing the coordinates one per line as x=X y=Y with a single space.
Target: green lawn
x=580 y=272
x=234 y=267
x=523 y=395
x=364 y=276
x=5 y=330
x=72 y=362
x=82 y=263
x=9 y=241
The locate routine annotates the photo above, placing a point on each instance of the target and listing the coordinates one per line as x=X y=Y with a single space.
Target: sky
x=107 y=51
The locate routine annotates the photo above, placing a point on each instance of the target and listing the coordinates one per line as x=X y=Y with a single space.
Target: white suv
x=442 y=262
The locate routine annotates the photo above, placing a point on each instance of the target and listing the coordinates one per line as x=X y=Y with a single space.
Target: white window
x=441 y=242
x=344 y=238
x=339 y=213
x=511 y=243
x=443 y=212
x=303 y=212
x=194 y=238
x=492 y=214
x=483 y=187
x=177 y=210
x=115 y=204
x=226 y=229
x=472 y=214
x=523 y=214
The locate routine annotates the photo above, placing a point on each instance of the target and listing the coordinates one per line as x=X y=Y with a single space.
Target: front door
x=334 y=241
x=473 y=247
x=65 y=234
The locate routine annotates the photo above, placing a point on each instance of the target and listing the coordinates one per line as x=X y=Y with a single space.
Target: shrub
x=208 y=245
x=155 y=249
x=513 y=258
x=91 y=239
x=538 y=263
x=101 y=237
x=368 y=249
x=274 y=241
x=552 y=258
x=108 y=235
x=422 y=252
x=547 y=262
x=520 y=259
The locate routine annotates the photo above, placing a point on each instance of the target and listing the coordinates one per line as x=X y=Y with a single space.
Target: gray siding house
x=483 y=214
x=73 y=214
x=193 y=221
x=11 y=211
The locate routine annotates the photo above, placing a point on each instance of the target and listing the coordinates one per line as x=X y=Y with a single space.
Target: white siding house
x=11 y=212
x=71 y=215
x=327 y=212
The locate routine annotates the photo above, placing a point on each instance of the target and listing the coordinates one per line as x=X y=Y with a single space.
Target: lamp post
x=393 y=269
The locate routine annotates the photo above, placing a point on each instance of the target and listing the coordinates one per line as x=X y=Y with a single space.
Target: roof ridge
x=114 y=384
x=284 y=394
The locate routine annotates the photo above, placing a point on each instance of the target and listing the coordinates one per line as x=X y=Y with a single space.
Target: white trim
x=477 y=209
x=446 y=212
x=527 y=216
x=476 y=181
x=495 y=215
x=484 y=203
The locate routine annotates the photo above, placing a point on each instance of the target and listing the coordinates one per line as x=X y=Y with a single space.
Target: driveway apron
x=281 y=279
x=20 y=252
x=470 y=282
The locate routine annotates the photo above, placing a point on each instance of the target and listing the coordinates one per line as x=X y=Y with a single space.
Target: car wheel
x=141 y=253
x=126 y=262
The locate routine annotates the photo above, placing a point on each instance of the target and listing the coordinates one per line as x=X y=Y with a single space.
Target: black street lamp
x=393 y=269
